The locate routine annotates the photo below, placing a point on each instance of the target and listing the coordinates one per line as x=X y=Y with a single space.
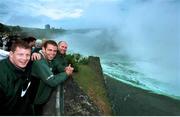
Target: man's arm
x=58 y=65
x=41 y=70
x=35 y=56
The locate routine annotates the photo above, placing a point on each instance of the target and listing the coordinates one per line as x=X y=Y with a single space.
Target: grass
x=93 y=85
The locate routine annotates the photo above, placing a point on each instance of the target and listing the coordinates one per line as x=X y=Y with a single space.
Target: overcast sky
x=58 y=13
x=66 y=13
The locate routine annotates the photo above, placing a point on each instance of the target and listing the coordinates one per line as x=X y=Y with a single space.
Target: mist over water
x=142 y=49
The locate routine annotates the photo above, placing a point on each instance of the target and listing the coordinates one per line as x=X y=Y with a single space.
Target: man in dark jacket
x=31 y=41
x=42 y=71
x=61 y=64
x=14 y=81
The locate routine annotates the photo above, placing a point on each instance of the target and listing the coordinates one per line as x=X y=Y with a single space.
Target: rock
x=77 y=102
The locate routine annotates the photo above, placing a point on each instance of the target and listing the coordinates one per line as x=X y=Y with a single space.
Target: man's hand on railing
x=69 y=70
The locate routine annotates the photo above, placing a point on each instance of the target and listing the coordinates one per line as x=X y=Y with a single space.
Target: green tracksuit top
x=12 y=81
x=42 y=69
x=60 y=63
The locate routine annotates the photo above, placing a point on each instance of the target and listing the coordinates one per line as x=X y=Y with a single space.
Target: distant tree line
x=8 y=29
x=25 y=32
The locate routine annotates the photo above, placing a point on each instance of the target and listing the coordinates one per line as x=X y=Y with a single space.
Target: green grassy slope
x=93 y=85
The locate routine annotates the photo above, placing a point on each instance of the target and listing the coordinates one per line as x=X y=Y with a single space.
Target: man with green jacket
x=60 y=59
x=61 y=64
x=44 y=78
x=15 y=81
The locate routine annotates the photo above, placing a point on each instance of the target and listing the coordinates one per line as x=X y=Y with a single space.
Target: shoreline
x=130 y=100
x=145 y=88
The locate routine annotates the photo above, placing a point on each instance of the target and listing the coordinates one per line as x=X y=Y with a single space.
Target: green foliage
x=36 y=32
x=9 y=29
x=4 y=28
x=16 y=29
x=75 y=60
x=83 y=60
x=71 y=60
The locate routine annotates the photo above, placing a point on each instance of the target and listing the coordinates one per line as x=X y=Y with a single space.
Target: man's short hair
x=49 y=42
x=21 y=44
x=30 y=39
x=61 y=42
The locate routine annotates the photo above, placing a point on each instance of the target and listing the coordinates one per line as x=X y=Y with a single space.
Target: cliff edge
x=91 y=80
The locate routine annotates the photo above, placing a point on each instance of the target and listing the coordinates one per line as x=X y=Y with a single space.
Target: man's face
x=50 y=51
x=62 y=47
x=32 y=43
x=20 y=57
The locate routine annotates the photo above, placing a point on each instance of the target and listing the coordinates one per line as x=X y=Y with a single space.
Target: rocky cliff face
x=77 y=102
x=94 y=63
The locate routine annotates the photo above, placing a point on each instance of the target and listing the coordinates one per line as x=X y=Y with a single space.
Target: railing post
x=60 y=100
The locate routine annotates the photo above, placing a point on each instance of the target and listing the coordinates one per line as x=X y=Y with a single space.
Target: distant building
x=47 y=26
